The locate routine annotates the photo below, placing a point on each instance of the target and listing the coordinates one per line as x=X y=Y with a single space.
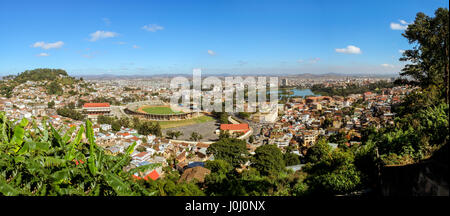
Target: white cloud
x=403 y=25
x=404 y=22
x=210 y=52
x=102 y=34
x=401 y=51
x=46 y=46
x=349 y=50
x=152 y=27
x=136 y=46
x=42 y=54
x=300 y=61
x=387 y=65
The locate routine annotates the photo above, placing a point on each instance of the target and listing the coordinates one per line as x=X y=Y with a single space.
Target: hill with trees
x=56 y=77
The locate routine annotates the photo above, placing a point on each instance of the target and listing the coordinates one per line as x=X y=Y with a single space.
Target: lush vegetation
x=421 y=126
x=44 y=162
x=70 y=113
x=221 y=116
x=40 y=74
x=231 y=150
x=47 y=162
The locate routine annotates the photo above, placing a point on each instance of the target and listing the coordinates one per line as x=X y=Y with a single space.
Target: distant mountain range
x=304 y=76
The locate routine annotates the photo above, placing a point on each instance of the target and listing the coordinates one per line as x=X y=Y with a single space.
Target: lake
x=303 y=92
x=299 y=93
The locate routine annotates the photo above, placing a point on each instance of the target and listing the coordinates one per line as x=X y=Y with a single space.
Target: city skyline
x=232 y=37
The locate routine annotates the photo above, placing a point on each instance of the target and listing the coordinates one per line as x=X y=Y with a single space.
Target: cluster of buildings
x=298 y=123
x=308 y=80
x=304 y=120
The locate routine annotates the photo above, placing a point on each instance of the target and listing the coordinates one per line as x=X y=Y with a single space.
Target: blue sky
x=235 y=37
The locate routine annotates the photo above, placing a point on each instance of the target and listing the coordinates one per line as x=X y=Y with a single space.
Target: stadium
x=159 y=111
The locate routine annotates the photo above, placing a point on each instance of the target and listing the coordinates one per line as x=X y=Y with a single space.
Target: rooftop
x=234 y=127
x=96 y=105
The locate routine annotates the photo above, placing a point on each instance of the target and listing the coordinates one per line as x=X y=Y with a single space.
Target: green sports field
x=159 y=110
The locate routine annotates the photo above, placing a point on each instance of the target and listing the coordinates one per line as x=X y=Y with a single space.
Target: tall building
x=284 y=82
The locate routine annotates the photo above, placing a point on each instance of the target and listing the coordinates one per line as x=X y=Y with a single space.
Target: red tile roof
x=239 y=127
x=152 y=175
x=96 y=105
x=124 y=134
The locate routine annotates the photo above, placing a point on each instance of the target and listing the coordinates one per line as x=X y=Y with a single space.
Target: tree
x=334 y=174
x=251 y=139
x=51 y=104
x=231 y=150
x=157 y=130
x=71 y=105
x=136 y=122
x=318 y=151
x=224 y=134
x=115 y=126
x=70 y=113
x=148 y=127
x=72 y=92
x=80 y=102
x=54 y=88
x=174 y=134
x=244 y=115
x=196 y=136
x=430 y=57
x=170 y=134
x=338 y=138
x=327 y=123
x=101 y=119
x=178 y=134
x=291 y=159
x=217 y=181
x=223 y=118
x=268 y=159
x=125 y=122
